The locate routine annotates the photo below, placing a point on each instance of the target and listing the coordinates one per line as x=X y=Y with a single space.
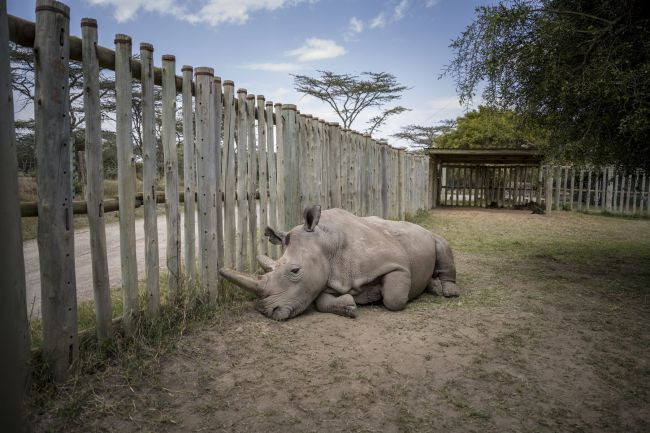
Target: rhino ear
x=276 y=237
x=312 y=216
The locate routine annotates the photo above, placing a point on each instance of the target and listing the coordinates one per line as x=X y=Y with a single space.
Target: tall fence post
x=53 y=177
x=206 y=179
x=150 y=171
x=290 y=158
x=335 y=164
x=343 y=168
x=241 y=168
x=263 y=173
x=272 y=169
x=229 y=118
x=251 y=182
x=189 y=175
x=126 y=179
x=217 y=110
x=95 y=179
x=401 y=162
x=280 y=167
x=14 y=328
x=170 y=153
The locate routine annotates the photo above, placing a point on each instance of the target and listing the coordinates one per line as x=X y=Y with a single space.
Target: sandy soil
x=538 y=341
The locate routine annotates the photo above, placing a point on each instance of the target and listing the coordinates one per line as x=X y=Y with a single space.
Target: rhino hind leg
x=343 y=305
x=445 y=270
x=395 y=290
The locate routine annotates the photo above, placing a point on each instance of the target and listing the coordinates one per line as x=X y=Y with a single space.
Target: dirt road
x=83 y=261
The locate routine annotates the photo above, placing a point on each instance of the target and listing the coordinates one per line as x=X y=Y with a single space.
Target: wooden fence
x=236 y=146
x=551 y=187
x=598 y=189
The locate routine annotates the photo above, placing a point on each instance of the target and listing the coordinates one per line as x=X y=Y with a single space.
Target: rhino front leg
x=343 y=305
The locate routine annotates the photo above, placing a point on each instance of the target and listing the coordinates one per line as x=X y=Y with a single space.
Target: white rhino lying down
x=338 y=260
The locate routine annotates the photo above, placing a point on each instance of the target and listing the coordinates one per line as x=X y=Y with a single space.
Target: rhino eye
x=295 y=270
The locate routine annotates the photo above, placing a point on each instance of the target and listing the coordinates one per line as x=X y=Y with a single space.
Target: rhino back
x=419 y=245
x=372 y=243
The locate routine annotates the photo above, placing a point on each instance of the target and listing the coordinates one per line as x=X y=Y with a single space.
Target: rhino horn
x=254 y=283
x=267 y=263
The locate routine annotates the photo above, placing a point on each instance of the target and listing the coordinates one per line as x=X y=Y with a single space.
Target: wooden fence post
x=401 y=189
x=272 y=170
x=149 y=169
x=621 y=209
x=170 y=154
x=609 y=173
x=634 y=187
x=95 y=179
x=323 y=130
x=383 y=179
x=241 y=168
x=14 y=327
x=251 y=182
x=335 y=164
x=53 y=177
x=230 y=180
x=290 y=156
x=548 y=190
x=263 y=173
x=280 y=166
x=206 y=179
x=217 y=109
x=343 y=168
x=126 y=180
x=588 y=190
x=627 y=195
x=643 y=179
x=317 y=155
x=189 y=175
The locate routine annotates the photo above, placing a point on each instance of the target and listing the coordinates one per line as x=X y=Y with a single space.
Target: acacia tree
x=349 y=95
x=424 y=137
x=578 y=69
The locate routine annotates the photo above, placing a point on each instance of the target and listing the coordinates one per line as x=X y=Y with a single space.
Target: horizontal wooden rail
x=22 y=32
x=79 y=207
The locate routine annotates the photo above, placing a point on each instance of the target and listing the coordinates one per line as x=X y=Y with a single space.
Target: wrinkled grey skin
x=337 y=261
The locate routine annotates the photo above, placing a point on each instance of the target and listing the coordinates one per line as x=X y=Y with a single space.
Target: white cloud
x=273 y=67
x=378 y=22
x=356 y=25
x=400 y=10
x=430 y=3
x=317 y=49
x=212 y=12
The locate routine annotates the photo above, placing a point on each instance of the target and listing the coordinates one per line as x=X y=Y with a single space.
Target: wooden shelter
x=485 y=178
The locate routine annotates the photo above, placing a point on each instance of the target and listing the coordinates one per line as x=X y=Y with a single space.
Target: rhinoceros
x=337 y=261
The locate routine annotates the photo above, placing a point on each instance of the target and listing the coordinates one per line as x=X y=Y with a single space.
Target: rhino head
x=294 y=281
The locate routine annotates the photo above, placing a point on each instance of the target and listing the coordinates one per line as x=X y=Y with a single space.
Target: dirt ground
x=551 y=333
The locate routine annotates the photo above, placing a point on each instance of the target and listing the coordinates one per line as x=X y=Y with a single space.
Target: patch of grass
x=133 y=357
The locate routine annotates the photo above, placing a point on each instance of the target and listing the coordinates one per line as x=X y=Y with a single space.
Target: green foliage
x=487 y=128
x=579 y=69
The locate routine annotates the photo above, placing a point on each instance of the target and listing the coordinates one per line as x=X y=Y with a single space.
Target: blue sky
x=259 y=43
